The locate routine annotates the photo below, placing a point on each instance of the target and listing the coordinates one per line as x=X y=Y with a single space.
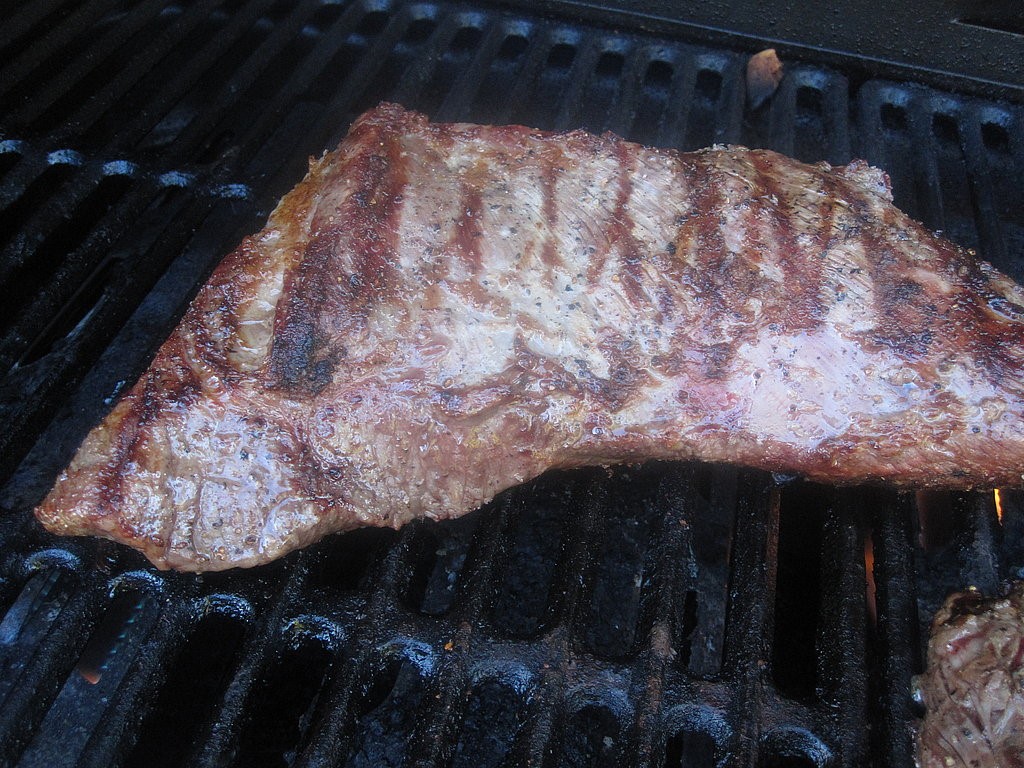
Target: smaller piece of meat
x=973 y=688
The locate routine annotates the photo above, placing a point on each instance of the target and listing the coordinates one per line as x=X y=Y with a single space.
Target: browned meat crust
x=973 y=688
x=438 y=312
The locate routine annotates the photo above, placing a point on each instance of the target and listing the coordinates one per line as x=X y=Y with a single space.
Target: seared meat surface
x=973 y=688
x=440 y=311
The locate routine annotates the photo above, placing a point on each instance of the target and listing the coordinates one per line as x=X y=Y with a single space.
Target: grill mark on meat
x=550 y=169
x=177 y=385
x=621 y=226
x=722 y=281
x=344 y=273
x=904 y=329
x=297 y=340
x=1018 y=657
x=372 y=222
x=802 y=266
x=603 y=222
x=112 y=474
x=903 y=324
x=468 y=231
x=218 y=313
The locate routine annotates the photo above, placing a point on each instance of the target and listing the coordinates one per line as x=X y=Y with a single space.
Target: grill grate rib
x=660 y=615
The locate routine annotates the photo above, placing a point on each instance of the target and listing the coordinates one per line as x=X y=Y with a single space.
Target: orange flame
x=999 y=504
x=92 y=676
x=869 y=573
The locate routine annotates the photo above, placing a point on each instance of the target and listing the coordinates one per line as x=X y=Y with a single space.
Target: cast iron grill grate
x=668 y=615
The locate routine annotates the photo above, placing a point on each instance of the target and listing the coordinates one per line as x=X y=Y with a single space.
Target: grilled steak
x=440 y=311
x=973 y=688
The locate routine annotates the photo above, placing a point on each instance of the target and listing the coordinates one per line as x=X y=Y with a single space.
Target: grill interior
x=662 y=615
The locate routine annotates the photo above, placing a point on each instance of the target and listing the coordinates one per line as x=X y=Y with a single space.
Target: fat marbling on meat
x=441 y=311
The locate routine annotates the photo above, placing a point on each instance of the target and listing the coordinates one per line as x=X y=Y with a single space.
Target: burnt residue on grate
x=656 y=615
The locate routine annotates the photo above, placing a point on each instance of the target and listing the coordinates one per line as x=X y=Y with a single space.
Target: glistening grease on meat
x=440 y=311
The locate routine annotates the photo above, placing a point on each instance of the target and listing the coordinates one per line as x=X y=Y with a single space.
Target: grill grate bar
x=729 y=115
x=714 y=530
x=674 y=125
x=896 y=645
x=421 y=68
x=484 y=561
x=538 y=50
x=463 y=91
x=34 y=53
x=667 y=640
x=749 y=623
x=98 y=51
x=203 y=124
x=1012 y=527
x=868 y=142
x=587 y=54
x=926 y=182
x=50 y=662
x=574 y=576
x=975 y=517
x=539 y=736
x=134 y=83
x=991 y=240
x=432 y=741
x=81 y=706
x=624 y=104
x=222 y=731
x=257 y=136
x=17 y=28
x=81 y=260
x=782 y=117
x=108 y=744
x=332 y=734
x=842 y=652
x=836 y=108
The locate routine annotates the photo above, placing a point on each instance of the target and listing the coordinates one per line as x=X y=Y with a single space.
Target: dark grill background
x=664 y=615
